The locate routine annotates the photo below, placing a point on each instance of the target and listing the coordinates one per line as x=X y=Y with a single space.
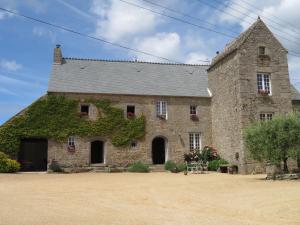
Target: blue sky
x=26 y=48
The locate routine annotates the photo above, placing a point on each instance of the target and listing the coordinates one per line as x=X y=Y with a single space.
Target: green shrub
x=57 y=118
x=181 y=167
x=138 y=167
x=8 y=165
x=170 y=165
x=55 y=167
x=3 y=156
x=215 y=164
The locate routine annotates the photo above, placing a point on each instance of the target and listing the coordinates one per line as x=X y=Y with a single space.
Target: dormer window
x=263 y=84
x=261 y=50
x=84 y=110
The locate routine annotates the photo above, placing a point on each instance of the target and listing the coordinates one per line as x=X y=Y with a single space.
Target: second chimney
x=57 y=56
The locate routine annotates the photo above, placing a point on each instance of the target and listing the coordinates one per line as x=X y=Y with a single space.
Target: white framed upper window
x=193 y=110
x=71 y=141
x=264 y=83
x=161 y=109
x=195 y=141
x=266 y=116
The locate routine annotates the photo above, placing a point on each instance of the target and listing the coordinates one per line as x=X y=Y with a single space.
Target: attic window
x=84 y=109
x=262 y=50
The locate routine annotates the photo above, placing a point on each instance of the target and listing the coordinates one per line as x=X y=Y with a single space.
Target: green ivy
x=57 y=118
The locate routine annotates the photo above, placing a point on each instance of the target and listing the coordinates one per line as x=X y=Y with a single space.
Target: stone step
x=157 y=168
x=107 y=169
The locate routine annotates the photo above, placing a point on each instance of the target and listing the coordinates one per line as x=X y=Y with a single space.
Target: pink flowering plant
x=205 y=155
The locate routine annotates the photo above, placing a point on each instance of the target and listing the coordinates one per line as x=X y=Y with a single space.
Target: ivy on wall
x=57 y=118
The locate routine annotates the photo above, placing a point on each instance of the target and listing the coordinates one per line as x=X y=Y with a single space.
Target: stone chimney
x=57 y=56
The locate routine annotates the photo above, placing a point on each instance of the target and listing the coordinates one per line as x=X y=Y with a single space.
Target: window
x=130 y=111
x=193 y=110
x=266 y=116
x=71 y=141
x=195 y=141
x=263 y=83
x=261 y=50
x=133 y=145
x=161 y=109
x=84 y=109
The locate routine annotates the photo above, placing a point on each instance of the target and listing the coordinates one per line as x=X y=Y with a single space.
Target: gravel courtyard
x=154 y=198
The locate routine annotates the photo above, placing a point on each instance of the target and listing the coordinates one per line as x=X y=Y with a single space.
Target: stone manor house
x=185 y=106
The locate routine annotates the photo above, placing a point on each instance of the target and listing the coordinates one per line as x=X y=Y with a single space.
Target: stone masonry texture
x=175 y=130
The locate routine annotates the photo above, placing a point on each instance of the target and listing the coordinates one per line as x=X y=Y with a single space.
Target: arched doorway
x=158 y=150
x=97 y=152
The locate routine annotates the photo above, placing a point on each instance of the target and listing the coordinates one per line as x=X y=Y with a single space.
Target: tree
x=276 y=140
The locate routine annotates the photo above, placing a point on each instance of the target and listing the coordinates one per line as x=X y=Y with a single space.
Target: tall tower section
x=249 y=81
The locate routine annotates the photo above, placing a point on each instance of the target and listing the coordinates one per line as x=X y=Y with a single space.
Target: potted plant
x=263 y=92
x=130 y=115
x=162 y=117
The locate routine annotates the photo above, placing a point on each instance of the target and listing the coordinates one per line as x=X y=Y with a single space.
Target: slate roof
x=128 y=77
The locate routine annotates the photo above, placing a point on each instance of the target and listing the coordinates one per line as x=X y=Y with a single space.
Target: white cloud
x=170 y=46
x=10 y=65
x=166 y=45
x=196 y=58
x=117 y=20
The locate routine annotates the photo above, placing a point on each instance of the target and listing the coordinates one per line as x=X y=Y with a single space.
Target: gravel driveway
x=154 y=198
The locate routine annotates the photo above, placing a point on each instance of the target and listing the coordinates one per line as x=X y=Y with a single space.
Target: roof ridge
x=235 y=43
x=132 y=61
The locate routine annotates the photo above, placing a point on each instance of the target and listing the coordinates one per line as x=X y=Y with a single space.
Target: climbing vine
x=57 y=118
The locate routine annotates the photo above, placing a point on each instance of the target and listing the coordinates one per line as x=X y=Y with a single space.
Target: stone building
x=185 y=106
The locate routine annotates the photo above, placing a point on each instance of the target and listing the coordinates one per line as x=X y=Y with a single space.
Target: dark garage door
x=33 y=154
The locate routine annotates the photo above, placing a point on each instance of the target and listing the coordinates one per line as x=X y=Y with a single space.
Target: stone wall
x=175 y=130
x=223 y=83
x=275 y=64
x=236 y=102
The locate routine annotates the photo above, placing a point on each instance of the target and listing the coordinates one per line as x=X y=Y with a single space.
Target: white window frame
x=266 y=116
x=71 y=141
x=162 y=109
x=262 y=83
x=195 y=141
x=191 y=109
